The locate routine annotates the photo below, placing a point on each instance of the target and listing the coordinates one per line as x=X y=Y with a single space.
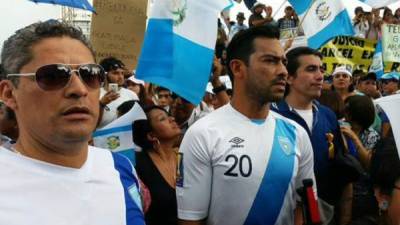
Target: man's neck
x=298 y=101
x=250 y=108
x=72 y=155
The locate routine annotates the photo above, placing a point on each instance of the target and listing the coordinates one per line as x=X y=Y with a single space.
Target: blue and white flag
x=378 y=3
x=80 y=4
x=377 y=61
x=179 y=43
x=322 y=20
x=117 y=136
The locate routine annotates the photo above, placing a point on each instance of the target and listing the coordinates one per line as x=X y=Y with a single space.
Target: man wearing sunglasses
x=51 y=175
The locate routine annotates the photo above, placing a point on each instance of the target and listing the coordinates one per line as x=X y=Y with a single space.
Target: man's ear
x=290 y=79
x=7 y=94
x=237 y=67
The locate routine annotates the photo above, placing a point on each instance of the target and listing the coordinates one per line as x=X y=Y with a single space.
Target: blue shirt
x=324 y=123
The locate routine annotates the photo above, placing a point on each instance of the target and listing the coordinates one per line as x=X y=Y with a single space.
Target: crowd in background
x=365 y=129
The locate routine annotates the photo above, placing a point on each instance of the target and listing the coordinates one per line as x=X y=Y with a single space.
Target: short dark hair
x=360 y=110
x=141 y=128
x=111 y=63
x=293 y=58
x=242 y=44
x=17 y=49
x=385 y=165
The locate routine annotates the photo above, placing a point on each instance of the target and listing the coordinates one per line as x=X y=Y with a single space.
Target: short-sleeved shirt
x=103 y=191
x=236 y=171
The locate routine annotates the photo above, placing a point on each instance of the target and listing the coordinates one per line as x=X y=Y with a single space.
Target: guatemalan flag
x=322 y=20
x=378 y=3
x=377 y=65
x=179 y=43
x=117 y=135
x=80 y=4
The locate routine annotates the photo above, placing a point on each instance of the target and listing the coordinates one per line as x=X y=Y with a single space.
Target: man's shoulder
x=218 y=116
x=288 y=122
x=326 y=112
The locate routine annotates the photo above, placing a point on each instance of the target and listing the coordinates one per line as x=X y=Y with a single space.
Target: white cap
x=342 y=69
x=136 y=81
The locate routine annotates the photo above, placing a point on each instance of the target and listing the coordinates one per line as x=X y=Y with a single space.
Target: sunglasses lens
x=52 y=77
x=92 y=75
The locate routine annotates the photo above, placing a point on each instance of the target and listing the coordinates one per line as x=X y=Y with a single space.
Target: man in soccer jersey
x=305 y=78
x=242 y=163
x=51 y=176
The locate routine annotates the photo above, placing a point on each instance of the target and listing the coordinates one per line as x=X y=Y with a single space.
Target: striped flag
x=378 y=3
x=117 y=136
x=322 y=20
x=179 y=43
x=80 y=4
x=377 y=65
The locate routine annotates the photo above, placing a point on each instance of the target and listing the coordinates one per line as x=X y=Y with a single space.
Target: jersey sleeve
x=306 y=161
x=194 y=175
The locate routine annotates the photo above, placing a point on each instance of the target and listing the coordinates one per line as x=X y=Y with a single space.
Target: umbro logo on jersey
x=236 y=142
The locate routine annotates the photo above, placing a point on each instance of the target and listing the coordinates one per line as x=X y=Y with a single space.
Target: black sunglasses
x=56 y=76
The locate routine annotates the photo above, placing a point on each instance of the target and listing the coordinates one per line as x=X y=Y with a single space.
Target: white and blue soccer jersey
x=235 y=171
x=103 y=191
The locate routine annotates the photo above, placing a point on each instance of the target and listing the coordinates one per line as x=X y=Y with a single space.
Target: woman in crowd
x=342 y=82
x=360 y=114
x=137 y=86
x=156 y=164
x=385 y=174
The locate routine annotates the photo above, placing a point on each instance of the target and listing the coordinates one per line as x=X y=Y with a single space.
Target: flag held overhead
x=179 y=43
x=378 y=3
x=80 y=4
x=322 y=20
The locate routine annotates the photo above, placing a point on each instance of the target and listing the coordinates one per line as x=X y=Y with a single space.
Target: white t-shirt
x=307 y=116
x=103 y=191
x=227 y=164
x=110 y=113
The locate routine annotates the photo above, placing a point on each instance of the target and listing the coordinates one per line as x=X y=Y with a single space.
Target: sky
x=20 y=13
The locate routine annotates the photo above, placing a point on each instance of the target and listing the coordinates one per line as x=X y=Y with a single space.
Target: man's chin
x=276 y=97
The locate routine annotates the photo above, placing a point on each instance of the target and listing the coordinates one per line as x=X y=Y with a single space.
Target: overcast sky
x=19 y=13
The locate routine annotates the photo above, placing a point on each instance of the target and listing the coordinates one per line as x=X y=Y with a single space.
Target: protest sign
x=355 y=53
x=391 y=42
x=118 y=29
x=350 y=51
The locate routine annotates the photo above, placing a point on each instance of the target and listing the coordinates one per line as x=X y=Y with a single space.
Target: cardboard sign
x=118 y=29
x=355 y=53
x=391 y=42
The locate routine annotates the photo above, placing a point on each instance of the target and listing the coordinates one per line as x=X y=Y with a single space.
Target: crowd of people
x=238 y=157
